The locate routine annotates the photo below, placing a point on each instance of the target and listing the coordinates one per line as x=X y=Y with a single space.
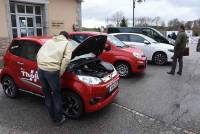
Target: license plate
x=113 y=86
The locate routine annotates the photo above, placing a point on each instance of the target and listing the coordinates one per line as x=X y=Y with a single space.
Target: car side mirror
x=107 y=47
x=147 y=42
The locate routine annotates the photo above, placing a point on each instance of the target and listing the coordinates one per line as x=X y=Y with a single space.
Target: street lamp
x=139 y=1
x=133 y=13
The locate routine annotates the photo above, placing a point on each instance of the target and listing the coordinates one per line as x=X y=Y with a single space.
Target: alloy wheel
x=123 y=69
x=160 y=59
x=9 y=87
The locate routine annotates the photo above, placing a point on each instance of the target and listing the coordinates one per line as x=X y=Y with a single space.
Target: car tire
x=73 y=105
x=9 y=87
x=123 y=69
x=160 y=58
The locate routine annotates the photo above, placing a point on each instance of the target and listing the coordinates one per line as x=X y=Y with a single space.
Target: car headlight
x=171 y=50
x=138 y=55
x=89 y=79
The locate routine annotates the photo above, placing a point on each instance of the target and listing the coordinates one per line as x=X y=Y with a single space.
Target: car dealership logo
x=32 y=75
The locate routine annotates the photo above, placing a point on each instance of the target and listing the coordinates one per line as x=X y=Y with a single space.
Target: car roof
x=88 y=32
x=128 y=33
x=142 y=35
x=39 y=39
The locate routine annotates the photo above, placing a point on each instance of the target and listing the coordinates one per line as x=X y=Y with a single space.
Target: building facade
x=21 y=18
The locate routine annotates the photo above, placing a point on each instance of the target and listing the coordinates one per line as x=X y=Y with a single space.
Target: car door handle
x=20 y=63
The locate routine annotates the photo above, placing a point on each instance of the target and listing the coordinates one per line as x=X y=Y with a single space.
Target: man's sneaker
x=59 y=123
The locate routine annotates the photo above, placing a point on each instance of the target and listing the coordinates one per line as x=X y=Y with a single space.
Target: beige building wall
x=62 y=15
x=3 y=23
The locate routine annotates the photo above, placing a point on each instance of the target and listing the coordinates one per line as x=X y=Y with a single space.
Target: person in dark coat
x=198 y=45
x=179 y=48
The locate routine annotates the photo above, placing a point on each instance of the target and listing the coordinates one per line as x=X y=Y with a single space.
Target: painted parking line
x=151 y=118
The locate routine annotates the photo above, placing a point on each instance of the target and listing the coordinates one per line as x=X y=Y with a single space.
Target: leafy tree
x=124 y=22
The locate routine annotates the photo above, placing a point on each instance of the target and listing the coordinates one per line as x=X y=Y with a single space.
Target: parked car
x=159 y=53
x=148 y=31
x=89 y=84
x=125 y=59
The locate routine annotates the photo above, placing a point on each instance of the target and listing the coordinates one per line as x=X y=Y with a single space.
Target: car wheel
x=160 y=58
x=123 y=69
x=73 y=105
x=9 y=87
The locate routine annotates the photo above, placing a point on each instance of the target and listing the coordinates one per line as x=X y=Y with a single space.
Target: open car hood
x=93 y=45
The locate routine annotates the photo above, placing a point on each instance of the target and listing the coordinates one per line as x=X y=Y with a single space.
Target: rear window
x=30 y=50
x=15 y=47
x=25 y=48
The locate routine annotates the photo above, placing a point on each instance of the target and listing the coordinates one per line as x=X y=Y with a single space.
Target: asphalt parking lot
x=148 y=103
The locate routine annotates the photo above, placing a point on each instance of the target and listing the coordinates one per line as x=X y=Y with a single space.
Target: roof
x=88 y=32
x=40 y=39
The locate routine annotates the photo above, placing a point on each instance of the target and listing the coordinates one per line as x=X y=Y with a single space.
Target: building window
x=29 y=9
x=13 y=21
x=26 y=19
x=20 y=8
x=38 y=10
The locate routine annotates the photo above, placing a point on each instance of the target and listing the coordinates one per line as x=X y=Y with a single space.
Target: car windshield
x=116 y=41
x=159 y=32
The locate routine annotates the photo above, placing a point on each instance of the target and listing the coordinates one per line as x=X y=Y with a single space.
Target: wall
x=3 y=23
x=62 y=15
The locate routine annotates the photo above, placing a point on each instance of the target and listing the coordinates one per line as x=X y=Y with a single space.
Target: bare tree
x=143 y=21
x=174 y=23
x=157 y=21
x=188 y=25
x=117 y=17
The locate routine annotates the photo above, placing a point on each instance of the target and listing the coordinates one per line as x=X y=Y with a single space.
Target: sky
x=95 y=12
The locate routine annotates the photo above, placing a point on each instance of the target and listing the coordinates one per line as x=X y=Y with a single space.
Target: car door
x=28 y=66
x=12 y=61
x=138 y=42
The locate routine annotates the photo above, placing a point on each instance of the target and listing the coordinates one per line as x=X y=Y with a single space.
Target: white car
x=159 y=53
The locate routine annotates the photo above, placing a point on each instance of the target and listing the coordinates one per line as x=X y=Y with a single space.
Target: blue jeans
x=51 y=88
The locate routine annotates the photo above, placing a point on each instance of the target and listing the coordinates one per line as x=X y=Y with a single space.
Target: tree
x=188 y=25
x=174 y=24
x=117 y=17
x=157 y=21
x=124 y=22
x=143 y=21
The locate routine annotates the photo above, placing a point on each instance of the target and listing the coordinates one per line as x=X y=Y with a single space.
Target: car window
x=136 y=38
x=30 y=50
x=79 y=38
x=116 y=41
x=148 y=32
x=15 y=48
x=122 y=37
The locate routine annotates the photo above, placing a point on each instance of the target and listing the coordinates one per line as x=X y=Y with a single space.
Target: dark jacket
x=180 y=43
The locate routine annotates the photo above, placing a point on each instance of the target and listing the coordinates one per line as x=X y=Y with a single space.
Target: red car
x=89 y=84
x=126 y=60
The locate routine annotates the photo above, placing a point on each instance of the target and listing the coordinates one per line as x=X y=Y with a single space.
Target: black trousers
x=51 y=88
x=174 y=63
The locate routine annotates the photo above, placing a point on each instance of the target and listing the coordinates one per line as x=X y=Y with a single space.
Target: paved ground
x=149 y=103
